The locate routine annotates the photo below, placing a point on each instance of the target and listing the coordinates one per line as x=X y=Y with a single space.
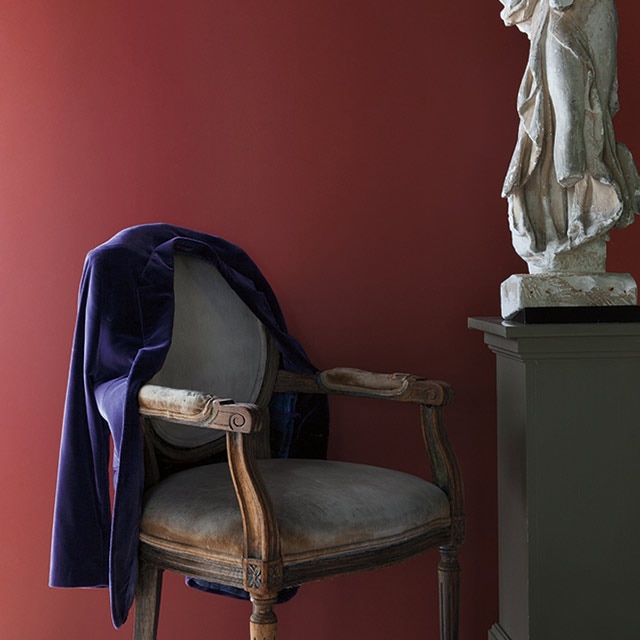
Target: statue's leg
x=581 y=75
x=566 y=80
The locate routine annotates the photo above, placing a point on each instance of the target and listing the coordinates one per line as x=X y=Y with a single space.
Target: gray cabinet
x=569 y=479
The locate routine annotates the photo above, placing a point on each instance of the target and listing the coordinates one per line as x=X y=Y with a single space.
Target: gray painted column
x=568 y=479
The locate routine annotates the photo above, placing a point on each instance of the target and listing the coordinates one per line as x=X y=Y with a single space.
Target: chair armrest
x=198 y=409
x=402 y=387
x=432 y=395
x=261 y=549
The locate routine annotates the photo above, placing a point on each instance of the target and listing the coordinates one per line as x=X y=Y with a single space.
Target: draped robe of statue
x=569 y=182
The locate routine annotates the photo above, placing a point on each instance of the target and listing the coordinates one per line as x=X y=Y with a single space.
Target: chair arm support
x=262 y=558
x=198 y=409
x=432 y=395
x=402 y=387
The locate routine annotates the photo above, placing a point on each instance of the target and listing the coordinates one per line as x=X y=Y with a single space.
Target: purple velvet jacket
x=123 y=333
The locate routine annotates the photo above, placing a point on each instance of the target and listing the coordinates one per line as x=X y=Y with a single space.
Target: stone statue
x=569 y=182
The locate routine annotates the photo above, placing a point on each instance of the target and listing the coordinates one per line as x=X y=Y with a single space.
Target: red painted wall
x=356 y=149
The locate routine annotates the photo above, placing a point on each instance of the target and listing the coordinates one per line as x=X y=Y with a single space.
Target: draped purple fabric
x=123 y=333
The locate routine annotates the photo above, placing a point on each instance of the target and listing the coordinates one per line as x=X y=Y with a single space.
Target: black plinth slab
x=575 y=315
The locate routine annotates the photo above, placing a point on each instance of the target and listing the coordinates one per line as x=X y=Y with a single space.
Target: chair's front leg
x=263 y=624
x=148 y=592
x=449 y=583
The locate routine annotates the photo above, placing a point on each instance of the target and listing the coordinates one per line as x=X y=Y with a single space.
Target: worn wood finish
x=449 y=592
x=262 y=571
x=198 y=409
x=402 y=387
x=158 y=553
x=262 y=559
x=224 y=571
x=375 y=557
x=444 y=466
x=263 y=621
x=148 y=592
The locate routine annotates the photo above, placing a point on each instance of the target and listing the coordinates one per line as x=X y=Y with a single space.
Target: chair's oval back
x=218 y=346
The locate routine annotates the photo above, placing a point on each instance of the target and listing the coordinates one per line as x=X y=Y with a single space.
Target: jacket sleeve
x=82 y=515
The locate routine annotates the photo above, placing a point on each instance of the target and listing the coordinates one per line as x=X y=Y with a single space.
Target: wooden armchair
x=262 y=524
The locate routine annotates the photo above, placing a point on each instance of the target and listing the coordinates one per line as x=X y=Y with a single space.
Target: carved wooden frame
x=263 y=573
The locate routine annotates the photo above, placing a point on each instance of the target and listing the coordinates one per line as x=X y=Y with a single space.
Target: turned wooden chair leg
x=449 y=583
x=148 y=593
x=264 y=624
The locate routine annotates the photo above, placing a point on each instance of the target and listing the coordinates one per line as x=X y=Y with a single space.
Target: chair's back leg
x=263 y=624
x=148 y=592
x=449 y=583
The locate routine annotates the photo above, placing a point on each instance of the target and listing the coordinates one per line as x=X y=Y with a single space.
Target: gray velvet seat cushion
x=325 y=506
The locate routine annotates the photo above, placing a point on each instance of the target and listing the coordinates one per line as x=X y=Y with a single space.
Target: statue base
x=525 y=291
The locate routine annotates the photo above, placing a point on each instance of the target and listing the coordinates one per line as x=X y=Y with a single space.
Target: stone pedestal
x=524 y=291
x=569 y=479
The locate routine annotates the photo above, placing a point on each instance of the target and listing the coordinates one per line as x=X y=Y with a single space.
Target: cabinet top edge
x=507 y=329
